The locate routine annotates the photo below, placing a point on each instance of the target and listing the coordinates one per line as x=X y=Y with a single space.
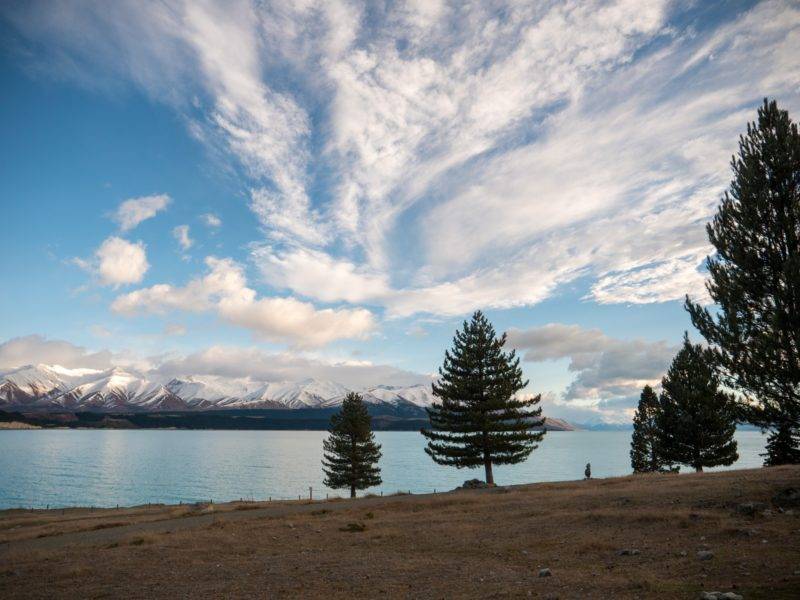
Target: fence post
x=310 y=494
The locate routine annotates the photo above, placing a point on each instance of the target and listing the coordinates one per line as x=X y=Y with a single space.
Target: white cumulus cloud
x=133 y=211
x=120 y=262
x=224 y=290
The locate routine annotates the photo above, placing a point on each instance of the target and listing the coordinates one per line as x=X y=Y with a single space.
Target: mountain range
x=55 y=388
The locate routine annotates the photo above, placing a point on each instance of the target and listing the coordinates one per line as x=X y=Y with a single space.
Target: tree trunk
x=352 y=464
x=487 y=459
x=698 y=469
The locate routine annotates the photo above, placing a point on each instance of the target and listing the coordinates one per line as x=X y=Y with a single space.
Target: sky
x=328 y=189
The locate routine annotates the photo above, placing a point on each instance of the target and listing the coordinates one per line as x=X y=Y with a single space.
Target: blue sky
x=327 y=190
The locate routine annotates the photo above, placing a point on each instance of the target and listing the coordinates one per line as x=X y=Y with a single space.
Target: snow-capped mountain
x=418 y=395
x=52 y=387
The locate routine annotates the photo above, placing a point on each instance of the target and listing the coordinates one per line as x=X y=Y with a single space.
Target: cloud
x=36 y=349
x=99 y=331
x=318 y=275
x=475 y=173
x=440 y=160
x=135 y=210
x=224 y=290
x=556 y=340
x=254 y=363
x=609 y=372
x=417 y=331
x=205 y=60
x=181 y=234
x=211 y=220
x=223 y=361
x=175 y=329
x=118 y=262
x=225 y=278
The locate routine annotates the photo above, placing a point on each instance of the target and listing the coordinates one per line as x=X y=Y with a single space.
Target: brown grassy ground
x=471 y=544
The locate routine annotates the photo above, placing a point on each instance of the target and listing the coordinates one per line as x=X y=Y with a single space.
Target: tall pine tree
x=351 y=454
x=645 y=456
x=478 y=420
x=696 y=420
x=755 y=281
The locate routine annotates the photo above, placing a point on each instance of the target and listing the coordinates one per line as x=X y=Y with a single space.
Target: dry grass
x=478 y=544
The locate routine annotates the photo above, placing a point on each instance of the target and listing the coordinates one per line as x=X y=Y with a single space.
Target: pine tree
x=645 y=456
x=479 y=420
x=755 y=281
x=696 y=420
x=351 y=454
x=783 y=446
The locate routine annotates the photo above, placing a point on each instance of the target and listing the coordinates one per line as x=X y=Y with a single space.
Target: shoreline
x=234 y=504
x=233 y=420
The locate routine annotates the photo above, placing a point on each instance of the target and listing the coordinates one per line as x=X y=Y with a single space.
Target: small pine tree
x=351 y=454
x=478 y=420
x=696 y=420
x=754 y=279
x=644 y=441
x=783 y=446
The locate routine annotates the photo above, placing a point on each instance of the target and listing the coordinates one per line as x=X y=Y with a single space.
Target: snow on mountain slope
x=419 y=395
x=32 y=385
x=38 y=380
x=210 y=388
x=54 y=387
x=309 y=393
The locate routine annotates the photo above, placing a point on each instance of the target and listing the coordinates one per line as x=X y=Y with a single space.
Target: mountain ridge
x=52 y=388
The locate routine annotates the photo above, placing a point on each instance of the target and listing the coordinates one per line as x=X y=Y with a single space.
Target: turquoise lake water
x=110 y=467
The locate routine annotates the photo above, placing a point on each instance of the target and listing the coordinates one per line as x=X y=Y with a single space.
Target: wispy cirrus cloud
x=420 y=158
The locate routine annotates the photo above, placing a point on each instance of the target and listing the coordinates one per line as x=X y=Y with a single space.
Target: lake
x=61 y=467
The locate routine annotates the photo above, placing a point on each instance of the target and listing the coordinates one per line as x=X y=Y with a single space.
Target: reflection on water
x=109 y=467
